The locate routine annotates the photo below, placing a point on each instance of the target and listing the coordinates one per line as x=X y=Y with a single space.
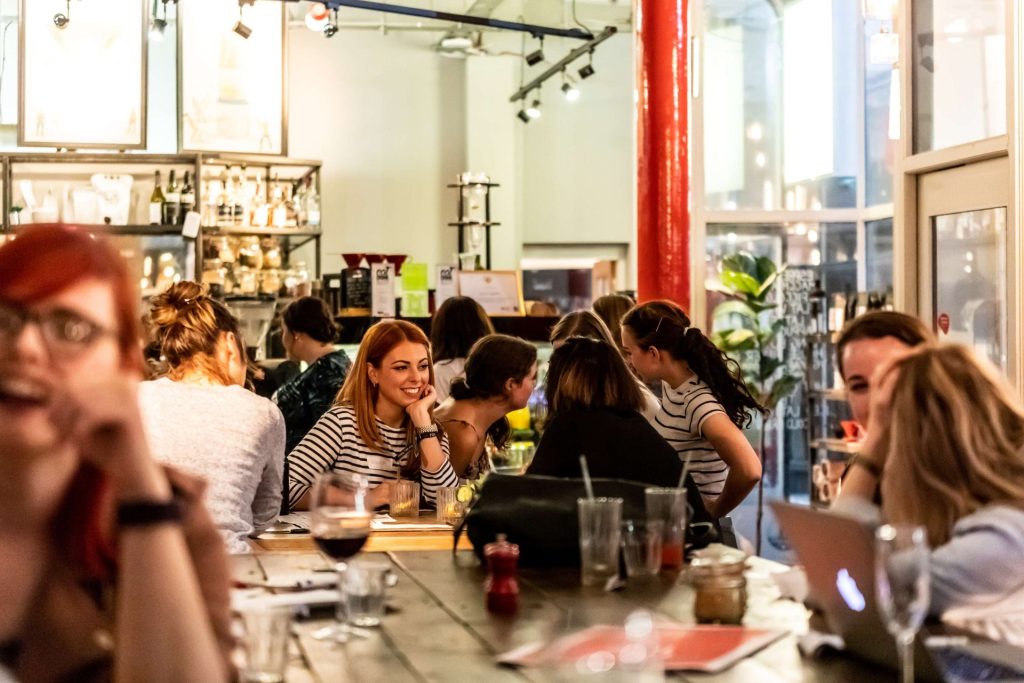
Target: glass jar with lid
x=720 y=587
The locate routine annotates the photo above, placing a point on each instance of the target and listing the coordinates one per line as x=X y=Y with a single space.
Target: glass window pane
x=881 y=106
x=878 y=255
x=959 y=72
x=759 y=62
x=970 y=280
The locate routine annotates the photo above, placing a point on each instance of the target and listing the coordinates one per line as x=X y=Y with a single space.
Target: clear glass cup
x=669 y=505
x=902 y=586
x=264 y=645
x=405 y=499
x=600 y=530
x=450 y=509
x=641 y=546
x=363 y=587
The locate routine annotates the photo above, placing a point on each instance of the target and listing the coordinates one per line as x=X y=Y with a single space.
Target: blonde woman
x=200 y=418
x=947 y=435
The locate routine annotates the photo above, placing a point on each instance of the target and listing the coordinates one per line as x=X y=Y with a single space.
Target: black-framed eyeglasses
x=65 y=332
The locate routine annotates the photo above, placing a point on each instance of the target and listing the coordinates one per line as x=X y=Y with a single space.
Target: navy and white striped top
x=334 y=444
x=680 y=421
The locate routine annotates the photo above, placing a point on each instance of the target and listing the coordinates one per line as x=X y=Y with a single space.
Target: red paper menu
x=693 y=648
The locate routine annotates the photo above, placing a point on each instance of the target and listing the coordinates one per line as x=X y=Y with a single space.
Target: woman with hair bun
x=200 y=418
x=308 y=333
x=458 y=323
x=501 y=372
x=704 y=403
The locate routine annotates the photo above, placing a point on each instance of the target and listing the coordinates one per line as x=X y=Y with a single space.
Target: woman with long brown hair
x=199 y=416
x=704 y=402
x=381 y=426
x=947 y=435
x=110 y=567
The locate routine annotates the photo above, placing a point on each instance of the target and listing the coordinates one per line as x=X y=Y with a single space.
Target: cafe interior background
x=816 y=126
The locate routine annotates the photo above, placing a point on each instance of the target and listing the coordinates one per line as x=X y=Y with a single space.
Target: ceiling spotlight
x=523 y=116
x=537 y=56
x=239 y=27
x=331 y=29
x=588 y=69
x=533 y=111
x=571 y=92
x=317 y=17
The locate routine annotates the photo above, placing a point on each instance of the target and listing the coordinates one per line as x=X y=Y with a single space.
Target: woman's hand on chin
x=380 y=495
x=420 y=410
x=101 y=419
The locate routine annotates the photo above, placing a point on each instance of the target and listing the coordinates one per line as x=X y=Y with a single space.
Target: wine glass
x=340 y=524
x=903 y=586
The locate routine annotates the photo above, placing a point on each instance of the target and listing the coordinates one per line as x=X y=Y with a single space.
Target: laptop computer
x=838 y=555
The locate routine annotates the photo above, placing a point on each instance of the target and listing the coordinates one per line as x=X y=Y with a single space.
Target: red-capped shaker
x=501 y=585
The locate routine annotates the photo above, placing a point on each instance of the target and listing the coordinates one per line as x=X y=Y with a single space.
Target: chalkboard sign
x=357 y=288
x=796 y=286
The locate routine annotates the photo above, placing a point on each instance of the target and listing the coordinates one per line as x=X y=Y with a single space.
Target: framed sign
x=232 y=89
x=500 y=292
x=82 y=74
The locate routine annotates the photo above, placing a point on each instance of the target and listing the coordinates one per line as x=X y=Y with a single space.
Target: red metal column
x=663 y=184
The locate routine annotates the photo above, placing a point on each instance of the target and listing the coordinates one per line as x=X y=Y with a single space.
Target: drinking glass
x=600 y=528
x=405 y=499
x=641 y=546
x=451 y=504
x=669 y=505
x=363 y=587
x=340 y=525
x=265 y=643
x=903 y=586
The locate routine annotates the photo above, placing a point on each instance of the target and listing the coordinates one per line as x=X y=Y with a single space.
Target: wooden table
x=381 y=540
x=441 y=631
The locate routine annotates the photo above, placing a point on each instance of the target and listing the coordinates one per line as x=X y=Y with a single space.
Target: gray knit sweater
x=227 y=435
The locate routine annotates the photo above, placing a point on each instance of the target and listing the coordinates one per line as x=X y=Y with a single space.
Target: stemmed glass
x=903 y=586
x=340 y=525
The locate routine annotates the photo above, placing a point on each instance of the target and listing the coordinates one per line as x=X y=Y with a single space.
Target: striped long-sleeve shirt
x=334 y=444
x=680 y=421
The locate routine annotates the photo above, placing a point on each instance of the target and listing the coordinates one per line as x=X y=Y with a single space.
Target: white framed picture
x=82 y=74
x=231 y=88
x=499 y=292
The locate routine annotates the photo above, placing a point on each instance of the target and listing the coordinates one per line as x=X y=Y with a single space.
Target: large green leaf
x=741 y=282
x=765 y=268
x=740 y=340
x=759 y=306
x=768 y=367
x=766 y=337
x=736 y=307
x=741 y=262
x=782 y=388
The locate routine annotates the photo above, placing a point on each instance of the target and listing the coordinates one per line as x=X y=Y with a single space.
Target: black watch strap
x=134 y=513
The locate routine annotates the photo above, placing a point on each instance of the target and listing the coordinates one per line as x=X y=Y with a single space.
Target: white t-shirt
x=684 y=410
x=229 y=436
x=444 y=372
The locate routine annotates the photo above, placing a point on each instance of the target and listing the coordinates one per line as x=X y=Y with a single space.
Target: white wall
x=386 y=116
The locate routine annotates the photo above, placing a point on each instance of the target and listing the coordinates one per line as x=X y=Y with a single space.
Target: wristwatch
x=430 y=431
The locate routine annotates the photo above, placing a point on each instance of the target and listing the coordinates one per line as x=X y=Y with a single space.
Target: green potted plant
x=749 y=334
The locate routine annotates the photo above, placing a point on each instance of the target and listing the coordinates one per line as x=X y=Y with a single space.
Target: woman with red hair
x=110 y=567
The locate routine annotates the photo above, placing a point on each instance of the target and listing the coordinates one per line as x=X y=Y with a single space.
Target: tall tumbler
x=600 y=534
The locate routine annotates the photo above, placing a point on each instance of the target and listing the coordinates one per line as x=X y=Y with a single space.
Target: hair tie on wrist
x=136 y=513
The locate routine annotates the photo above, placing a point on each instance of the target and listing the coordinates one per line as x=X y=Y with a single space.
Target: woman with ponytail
x=200 y=418
x=704 y=403
x=500 y=375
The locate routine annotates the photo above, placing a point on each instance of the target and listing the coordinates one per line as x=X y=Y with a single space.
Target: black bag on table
x=539 y=514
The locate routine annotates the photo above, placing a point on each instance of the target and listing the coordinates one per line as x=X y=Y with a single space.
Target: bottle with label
x=156 y=202
x=299 y=202
x=312 y=204
x=240 y=213
x=188 y=196
x=260 y=214
x=226 y=201
x=818 y=300
x=172 y=201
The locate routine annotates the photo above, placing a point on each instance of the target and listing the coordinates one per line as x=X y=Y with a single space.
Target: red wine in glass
x=340 y=547
x=340 y=532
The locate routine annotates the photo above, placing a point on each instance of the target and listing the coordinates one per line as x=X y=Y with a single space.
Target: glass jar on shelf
x=270 y=281
x=250 y=255
x=248 y=281
x=271 y=253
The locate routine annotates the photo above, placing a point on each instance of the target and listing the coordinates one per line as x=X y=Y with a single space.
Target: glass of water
x=363 y=585
x=902 y=585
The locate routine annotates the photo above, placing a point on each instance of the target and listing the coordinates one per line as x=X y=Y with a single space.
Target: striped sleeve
x=441 y=478
x=317 y=452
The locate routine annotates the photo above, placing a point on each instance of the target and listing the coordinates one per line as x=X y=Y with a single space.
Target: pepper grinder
x=501 y=585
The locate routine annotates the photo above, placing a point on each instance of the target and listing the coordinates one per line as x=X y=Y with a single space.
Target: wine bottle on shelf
x=260 y=210
x=278 y=210
x=298 y=202
x=188 y=197
x=226 y=201
x=172 y=201
x=156 y=202
x=239 y=214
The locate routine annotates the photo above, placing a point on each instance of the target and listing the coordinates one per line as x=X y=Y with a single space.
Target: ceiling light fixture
x=523 y=116
x=587 y=70
x=317 y=17
x=569 y=89
x=537 y=56
x=331 y=29
x=240 y=28
x=533 y=111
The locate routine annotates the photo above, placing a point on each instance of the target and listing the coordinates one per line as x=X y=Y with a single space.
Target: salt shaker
x=501 y=585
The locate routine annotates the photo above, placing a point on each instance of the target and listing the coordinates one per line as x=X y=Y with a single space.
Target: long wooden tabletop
x=438 y=628
x=404 y=533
